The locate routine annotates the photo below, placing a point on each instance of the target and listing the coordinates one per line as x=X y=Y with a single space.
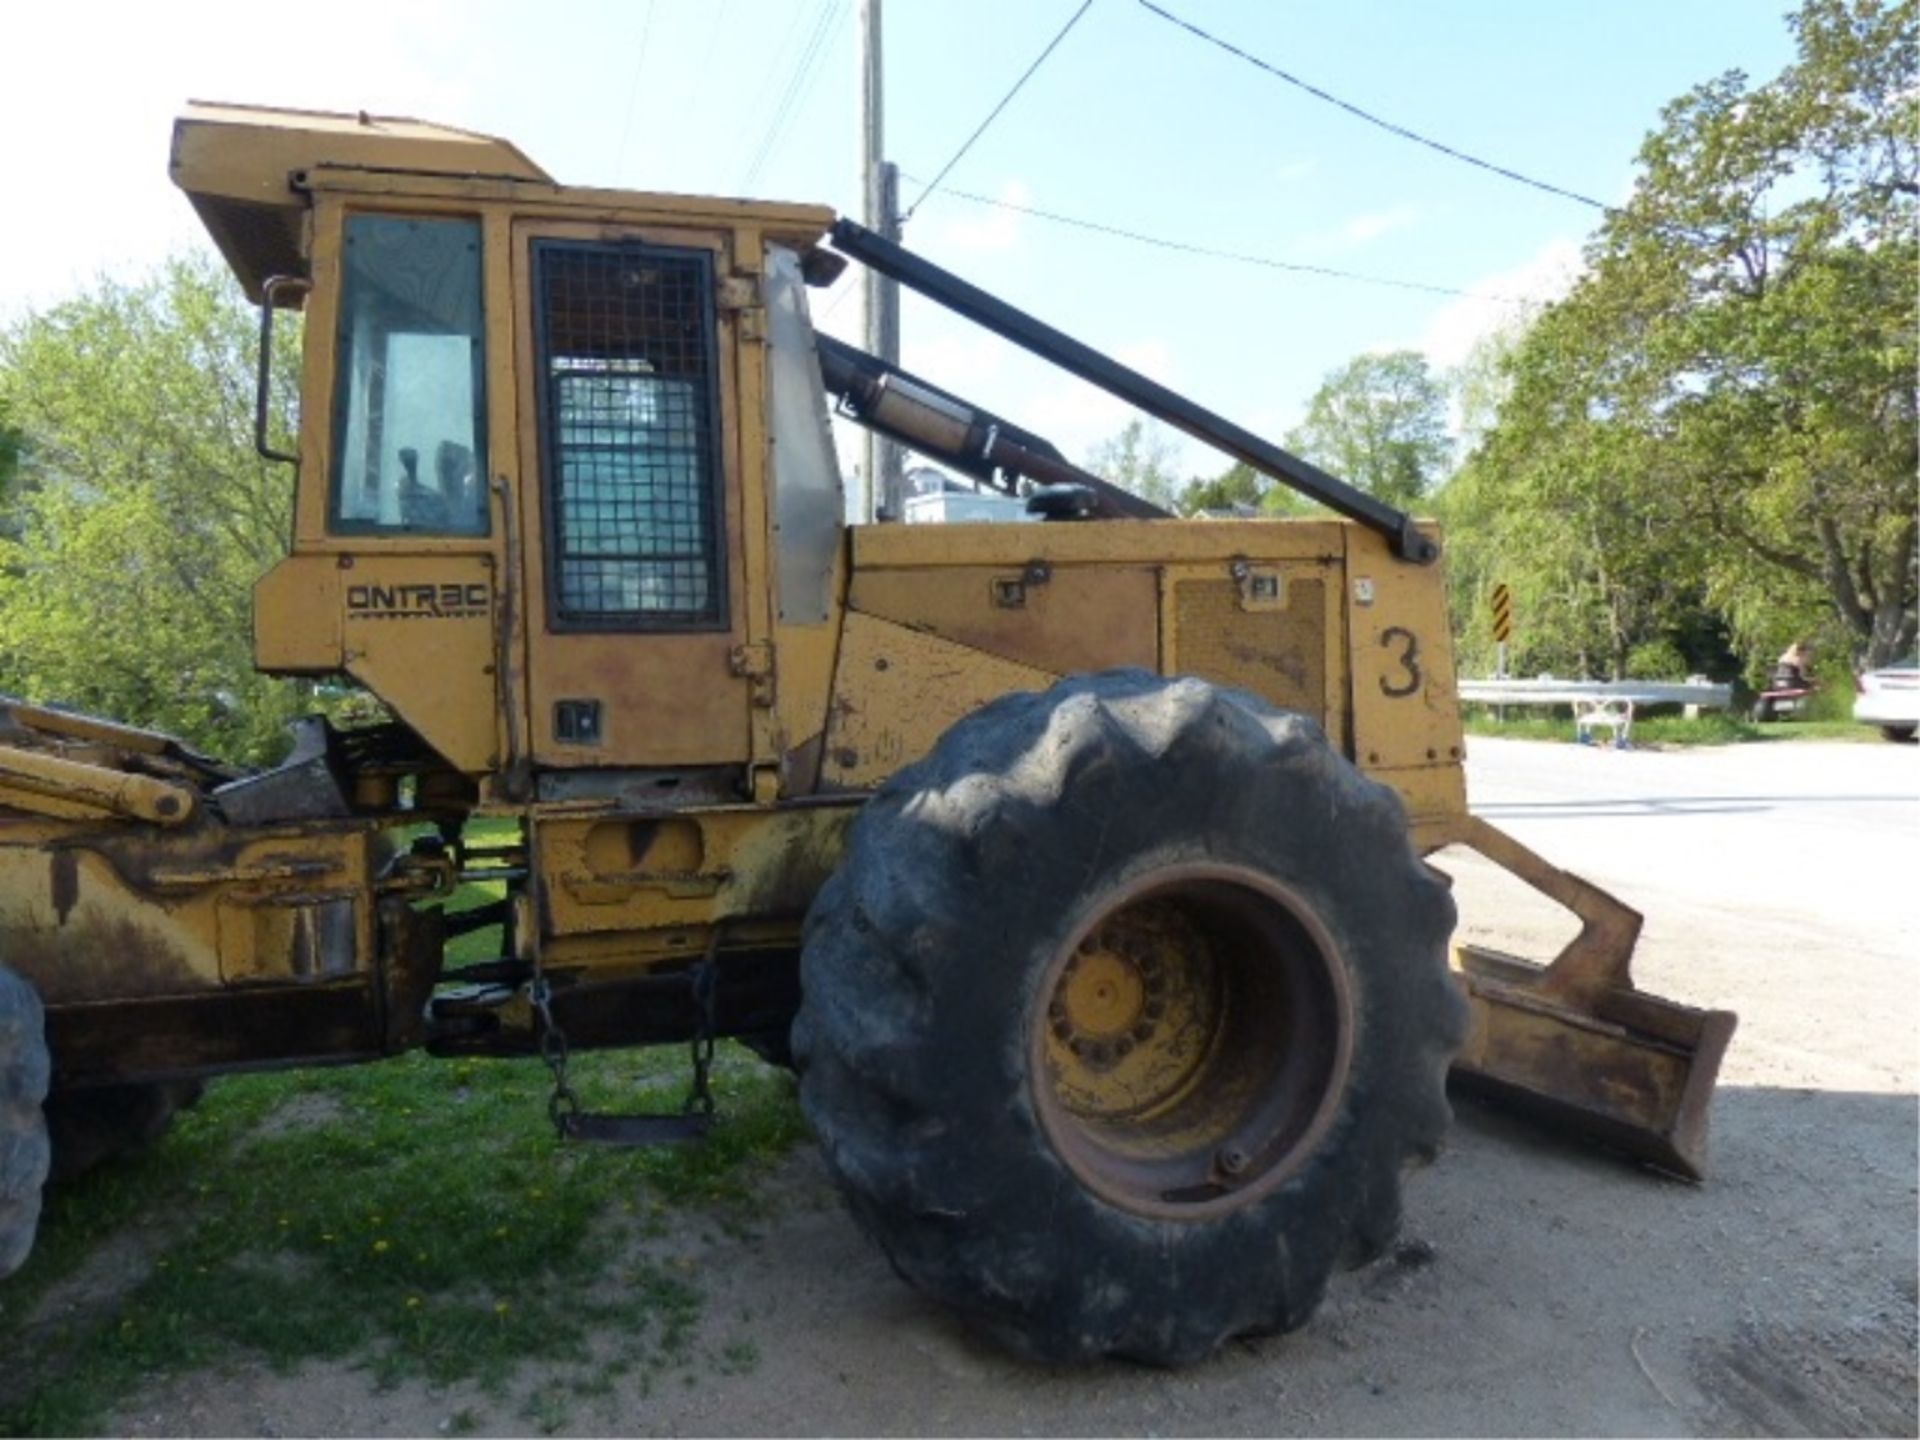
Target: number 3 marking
x=1409 y=661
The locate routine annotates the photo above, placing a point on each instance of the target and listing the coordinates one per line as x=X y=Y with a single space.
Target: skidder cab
x=1076 y=865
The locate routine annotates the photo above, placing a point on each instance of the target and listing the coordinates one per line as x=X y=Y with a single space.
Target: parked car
x=1890 y=698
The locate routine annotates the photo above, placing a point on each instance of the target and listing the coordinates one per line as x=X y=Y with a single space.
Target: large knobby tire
x=89 y=1127
x=24 y=1152
x=775 y=1047
x=1124 y=1015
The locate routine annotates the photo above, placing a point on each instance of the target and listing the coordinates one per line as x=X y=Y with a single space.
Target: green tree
x=1242 y=485
x=1379 y=422
x=141 y=516
x=1481 y=383
x=1239 y=484
x=1582 y=535
x=1138 y=458
x=11 y=442
x=1723 y=410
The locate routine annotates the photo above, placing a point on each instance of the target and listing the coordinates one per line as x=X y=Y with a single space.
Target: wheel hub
x=1131 y=1013
x=1193 y=1042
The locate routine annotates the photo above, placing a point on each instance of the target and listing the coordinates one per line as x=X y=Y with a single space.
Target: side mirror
x=263 y=386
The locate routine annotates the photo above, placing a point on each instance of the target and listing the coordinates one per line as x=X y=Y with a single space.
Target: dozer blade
x=1574 y=1042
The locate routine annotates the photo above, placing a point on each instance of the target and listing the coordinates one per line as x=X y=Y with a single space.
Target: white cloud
x=1291 y=171
x=103 y=200
x=1362 y=228
x=966 y=360
x=1358 y=230
x=1076 y=416
x=1499 y=300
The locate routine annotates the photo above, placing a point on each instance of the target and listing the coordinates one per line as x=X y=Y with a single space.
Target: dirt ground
x=1540 y=1287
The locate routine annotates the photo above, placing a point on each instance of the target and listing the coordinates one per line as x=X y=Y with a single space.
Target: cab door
x=393 y=573
x=635 y=586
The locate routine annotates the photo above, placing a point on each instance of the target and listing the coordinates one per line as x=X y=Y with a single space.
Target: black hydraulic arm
x=948 y=289
x=936 y=422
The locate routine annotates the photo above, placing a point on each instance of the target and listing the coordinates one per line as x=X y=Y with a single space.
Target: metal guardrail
x=1547 y=690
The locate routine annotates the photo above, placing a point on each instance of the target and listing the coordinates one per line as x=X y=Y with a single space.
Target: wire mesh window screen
x=631 y=411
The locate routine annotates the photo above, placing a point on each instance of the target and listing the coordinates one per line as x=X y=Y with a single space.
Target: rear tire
x=1124 y=1015
x=775 y=1047
x=24 y=1152
x=1899 y=734
x=92 y=1126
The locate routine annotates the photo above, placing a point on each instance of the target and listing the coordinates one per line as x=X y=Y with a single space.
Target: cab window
x=410 y=414
x=629 y=410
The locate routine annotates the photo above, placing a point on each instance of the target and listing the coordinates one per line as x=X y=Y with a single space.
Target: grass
x=416 y=1217
x=425 y=1224
x=1714 y=727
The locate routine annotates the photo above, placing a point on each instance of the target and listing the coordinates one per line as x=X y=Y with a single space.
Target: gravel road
x=1542 y=1288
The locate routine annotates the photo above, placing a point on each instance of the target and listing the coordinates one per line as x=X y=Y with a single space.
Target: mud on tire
x=1124 y=1015
x=24 y=1153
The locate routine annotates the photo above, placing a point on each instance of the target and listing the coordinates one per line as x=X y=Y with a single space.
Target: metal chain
x=562 y=1104
x=700 y=1097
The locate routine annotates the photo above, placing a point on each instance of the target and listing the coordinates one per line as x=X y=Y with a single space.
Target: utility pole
x=880 y=189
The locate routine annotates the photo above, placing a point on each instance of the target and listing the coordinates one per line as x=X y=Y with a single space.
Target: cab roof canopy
x=238 y=165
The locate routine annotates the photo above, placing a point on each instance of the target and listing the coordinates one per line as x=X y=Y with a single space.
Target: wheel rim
x=1191 y=1041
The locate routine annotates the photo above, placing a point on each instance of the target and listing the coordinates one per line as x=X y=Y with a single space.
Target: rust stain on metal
x=98 y=960
x=63 y=882
x=1575 y=1040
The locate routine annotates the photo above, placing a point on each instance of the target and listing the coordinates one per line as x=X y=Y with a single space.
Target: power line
x=783 y=49
x=633 y=96
x=1187 y=248
x=713 y=40
x=798 y=85
x=994 y=114
x=1368 y=116
x=834 y=304
x=802 y=72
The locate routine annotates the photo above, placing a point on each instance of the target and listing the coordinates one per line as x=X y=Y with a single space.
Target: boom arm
x=936 y=422
x=948 y=289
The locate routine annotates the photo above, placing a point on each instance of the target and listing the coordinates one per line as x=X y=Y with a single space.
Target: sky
x=1130 y=123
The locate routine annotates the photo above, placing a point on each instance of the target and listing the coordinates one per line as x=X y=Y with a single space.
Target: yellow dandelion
x=414 y=1302
x=501 y=1233
x=380 y=1247
x=326 y=1237
x=500 y=1307
x=284 y=1222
